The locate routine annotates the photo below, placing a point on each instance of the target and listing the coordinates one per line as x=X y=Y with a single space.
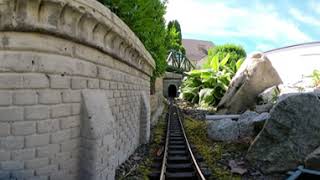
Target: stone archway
x=172 y=91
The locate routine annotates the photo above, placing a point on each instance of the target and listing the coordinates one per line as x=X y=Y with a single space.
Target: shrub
x=235 y=52
x=146 y=20
x=207 y=86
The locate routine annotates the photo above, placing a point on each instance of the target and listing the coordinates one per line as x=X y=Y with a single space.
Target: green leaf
x=225 y=60
x=215 y=63
x=239 y=63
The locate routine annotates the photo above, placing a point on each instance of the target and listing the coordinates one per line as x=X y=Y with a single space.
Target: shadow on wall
x=172 y=91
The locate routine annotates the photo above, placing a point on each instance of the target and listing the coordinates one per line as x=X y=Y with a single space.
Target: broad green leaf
x=239 y=63
x=215 y=63
x=225 y=60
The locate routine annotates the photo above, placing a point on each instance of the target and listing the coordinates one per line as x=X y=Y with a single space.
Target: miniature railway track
x=177 y=160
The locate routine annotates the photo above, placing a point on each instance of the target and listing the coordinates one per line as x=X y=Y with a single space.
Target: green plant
x=207 y=86
x=235 y=52
x=316 y=77
x=174 y=37
x=146 y=20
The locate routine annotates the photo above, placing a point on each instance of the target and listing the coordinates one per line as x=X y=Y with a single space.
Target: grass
x=211 y=151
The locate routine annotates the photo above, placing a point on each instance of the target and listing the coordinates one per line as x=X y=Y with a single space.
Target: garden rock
x=312 y=161
x=254 y=76
x=269 y=95
x=289 y=135
x=235 y=131
x=263 y=108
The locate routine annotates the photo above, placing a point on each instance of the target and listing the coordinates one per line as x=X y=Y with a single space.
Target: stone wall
x=157 y=101
x=171 y=79
x=74 y=90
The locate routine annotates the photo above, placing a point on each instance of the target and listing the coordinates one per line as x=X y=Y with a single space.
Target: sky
x=257 y=25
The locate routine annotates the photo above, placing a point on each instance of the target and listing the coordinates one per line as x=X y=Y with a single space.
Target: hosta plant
x=206 y=87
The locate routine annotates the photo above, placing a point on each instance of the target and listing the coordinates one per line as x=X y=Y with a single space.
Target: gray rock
x=235 y=131
x=312 y=161
x=254 y=76
x=289 y=135
x=263 y=108
x=269 y=95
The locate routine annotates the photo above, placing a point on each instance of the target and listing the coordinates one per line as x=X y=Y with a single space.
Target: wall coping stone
x=84 y=21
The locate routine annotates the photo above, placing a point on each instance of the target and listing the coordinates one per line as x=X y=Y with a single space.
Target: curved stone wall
x=74 y=90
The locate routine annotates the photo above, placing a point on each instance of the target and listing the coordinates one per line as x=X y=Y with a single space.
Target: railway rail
x=177 y=161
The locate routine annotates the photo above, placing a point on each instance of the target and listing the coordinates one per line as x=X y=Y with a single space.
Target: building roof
x=196 y=50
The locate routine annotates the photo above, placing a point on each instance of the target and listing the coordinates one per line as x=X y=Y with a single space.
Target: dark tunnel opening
x=172 y=91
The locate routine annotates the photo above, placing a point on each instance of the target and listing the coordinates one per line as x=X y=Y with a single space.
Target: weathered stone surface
x=233 y=131
x=312 y=161
x=254 y=76
x=290 y=134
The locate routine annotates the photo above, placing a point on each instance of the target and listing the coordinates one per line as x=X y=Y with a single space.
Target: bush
x=235 y=52
x=207 y=86
x=146 y=20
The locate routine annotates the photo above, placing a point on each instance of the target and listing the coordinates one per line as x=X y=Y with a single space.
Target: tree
x=174 y=37
x=146 y=20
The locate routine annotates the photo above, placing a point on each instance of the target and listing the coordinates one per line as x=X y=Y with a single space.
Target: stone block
x=37 y=140
x=70 y=96
x=5 y=98
x=25 y=97
x=78 y=83
x=46 y=126
x=61 y=110
x=70 y=122
x=35 y=81
x=76 y=108
x=70 y=145
x=36 y=112
x=11 y=113
x=4 y=155
x=47 y=170
x=23 y=128
x=11 y=143
x=48 y=151
x=12 y=165
x=4 y=129
x=93 y=84
x=59 y=82
x=37 y=163
x=10 y=81
x=49 y=97
x=23 y=154
x=60 y=136
x=22 y=174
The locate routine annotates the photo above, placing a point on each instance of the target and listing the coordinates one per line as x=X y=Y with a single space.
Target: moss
x=211 y=151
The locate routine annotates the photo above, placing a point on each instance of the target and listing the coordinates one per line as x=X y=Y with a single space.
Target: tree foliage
x=146 y=20
x=174 y=37
x=235 y=52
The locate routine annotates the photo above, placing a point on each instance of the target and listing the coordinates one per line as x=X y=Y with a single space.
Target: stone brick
x=78 y=83
x=71 y=96
x=49 y=97
x=37 y=163
x=46 y=171
x=24 y=97
x=70 y=145
x=60 y=136
x=23 y=128
x=4 y=155
x=59 y=82
x=38 y=178
x=75 y=132
x=5 y=98
x=4 y=175
x=22 y=174
x=76 y=108
x=46 y=126
x=70 y=122
x=60 y=157
x=10 y=81
x=37 y=140
x=48 y=151
x=23 y=154
x=37 y=112
x=61 y=110
x=35 y=81
x=4 y=129
x=104 y=84
x=12 y=142
x=105 y=73
x=93 y=83
x=11 y=113
x=12 y=165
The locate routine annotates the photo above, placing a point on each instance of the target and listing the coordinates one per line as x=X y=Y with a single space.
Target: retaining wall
x=74 y=90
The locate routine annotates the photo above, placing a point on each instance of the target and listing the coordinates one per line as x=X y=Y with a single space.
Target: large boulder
x=254 y=76
x=245 y=128
x=312 y=161
x=289 y=135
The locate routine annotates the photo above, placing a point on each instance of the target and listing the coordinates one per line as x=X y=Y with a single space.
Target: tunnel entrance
x=172 y=91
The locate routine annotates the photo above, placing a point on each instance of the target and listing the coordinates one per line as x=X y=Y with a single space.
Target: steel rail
x=201 y=176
